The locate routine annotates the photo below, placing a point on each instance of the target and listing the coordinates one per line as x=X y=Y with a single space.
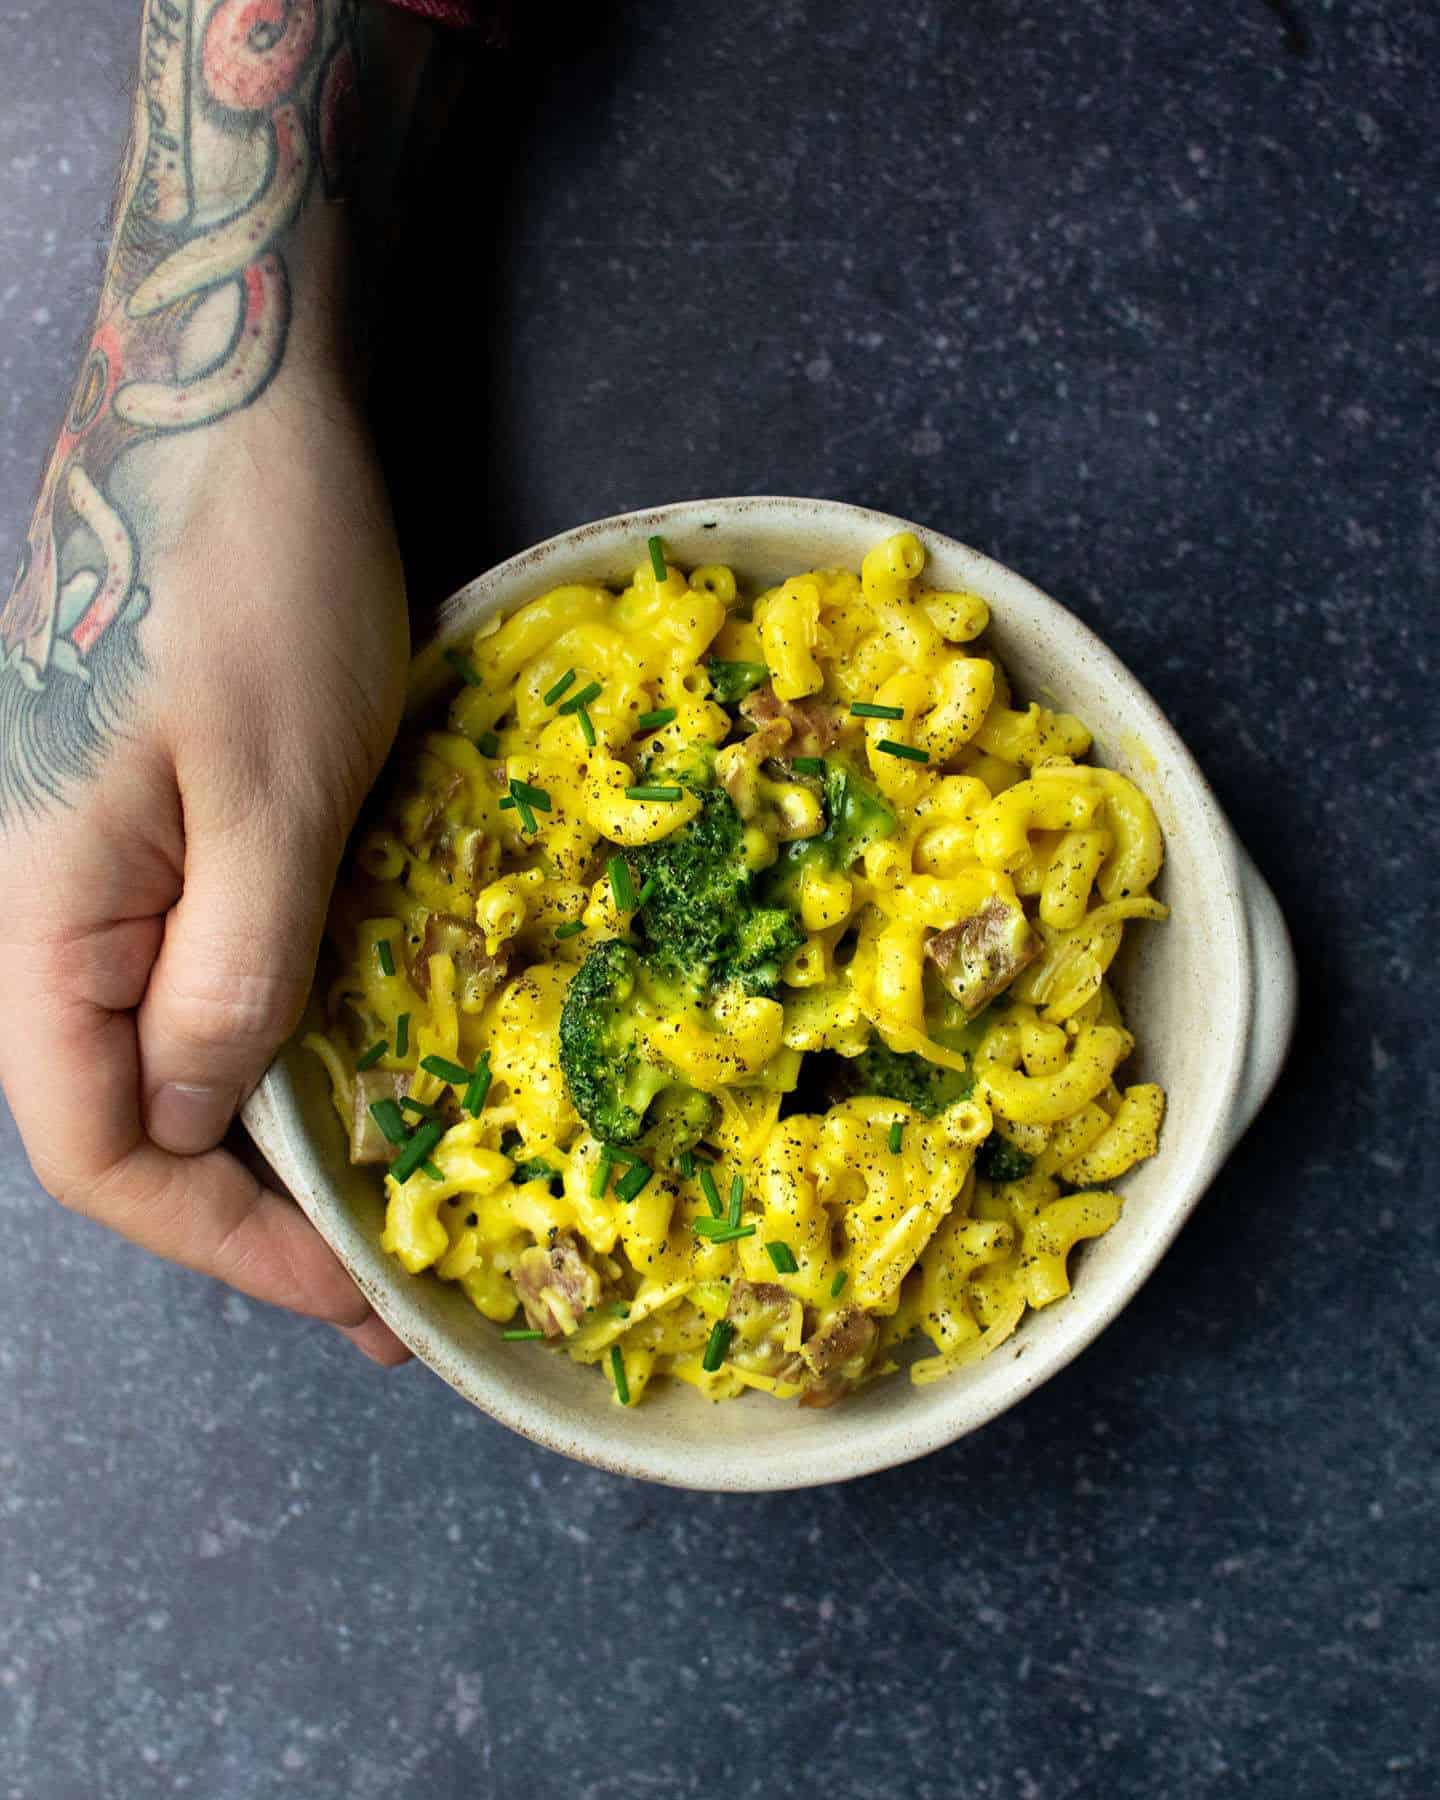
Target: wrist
x=226 y=284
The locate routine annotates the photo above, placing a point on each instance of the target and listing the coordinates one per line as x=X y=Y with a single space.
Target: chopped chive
x=837 y=1285
x=527 y=818
x=635 y=1178
x=488 y=744
x=645 y=892
x=783 y=1258
x=536 y=797
x=571 y=928
x=621 y=885
x=587 y=727
x=578 y=702
x=402 y=1035
x=897 y=1133
x=463 y=667
x=432 y=1170
x=566 y=681
x=474 y=1100
x=716 y=1346
x=717 y=1231
x=808 y=765
x=654 y=793
x=652 y=721
x=709 y=1228
x=455 y=1073
x=617 y=1369
x=657 y=558
x=421 y=1108
x=423 y=1140
x=908 y=751
x=372 y=1055
x=711 y=1193
x=390 y=1119
x=386 y=955
x=521 y=1337
x=508 y=803
x=737 y=1195
x=865 y=709
x=600 y=1180
x=687 y=1164
x=620 y=1310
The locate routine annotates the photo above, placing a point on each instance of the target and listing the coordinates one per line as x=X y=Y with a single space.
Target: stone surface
x=1142 y=301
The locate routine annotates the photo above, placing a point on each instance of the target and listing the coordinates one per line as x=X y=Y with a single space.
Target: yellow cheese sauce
x=722 y=984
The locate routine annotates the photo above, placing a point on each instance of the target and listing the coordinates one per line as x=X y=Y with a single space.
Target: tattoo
x=224 y=85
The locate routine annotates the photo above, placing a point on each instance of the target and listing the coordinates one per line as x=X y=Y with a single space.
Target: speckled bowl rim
x=1241 y=1084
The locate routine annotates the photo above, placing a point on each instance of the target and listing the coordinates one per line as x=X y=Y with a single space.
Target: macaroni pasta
x=722 y=985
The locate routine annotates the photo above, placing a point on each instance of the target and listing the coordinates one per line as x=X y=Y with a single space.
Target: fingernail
x=187 y=1117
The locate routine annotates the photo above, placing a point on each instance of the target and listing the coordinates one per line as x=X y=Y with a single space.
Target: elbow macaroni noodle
x=918 y=1222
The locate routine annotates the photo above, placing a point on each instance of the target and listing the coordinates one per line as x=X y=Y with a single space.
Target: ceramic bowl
x=1210 y=995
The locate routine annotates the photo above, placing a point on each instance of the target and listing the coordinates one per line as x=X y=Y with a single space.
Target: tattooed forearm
x=242 y=115
x=164 y=189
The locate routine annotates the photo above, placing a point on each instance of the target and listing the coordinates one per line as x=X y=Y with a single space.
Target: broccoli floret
x=692 y=766
x=699 y=886
x=700 y=928
x=856 y=817
x=700 y=918
x=611 y=1082
x=680 y=1118
x=998 y=1160
x=898 y=1075
x=731 y=681
x=765 y=940
x=624 y=1096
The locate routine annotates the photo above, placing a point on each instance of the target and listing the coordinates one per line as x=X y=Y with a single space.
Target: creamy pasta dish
x=722 y=984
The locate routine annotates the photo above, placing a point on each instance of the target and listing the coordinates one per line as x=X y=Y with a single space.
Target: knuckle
x=243 y=1012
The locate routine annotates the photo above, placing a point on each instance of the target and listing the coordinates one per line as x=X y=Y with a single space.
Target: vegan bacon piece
x=982 y=955
x=460 y=851
x=437 y=800
x=368 y=1143
x=815 y=726
x=833 y=1360
x=738 y=765
x=477 y=973
x=760 y=1314
x=555 y=1286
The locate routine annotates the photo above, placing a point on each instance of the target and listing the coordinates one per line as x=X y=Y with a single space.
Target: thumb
x=233 y=972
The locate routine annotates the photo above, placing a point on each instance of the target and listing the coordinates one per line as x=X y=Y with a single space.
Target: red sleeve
x=477 y=15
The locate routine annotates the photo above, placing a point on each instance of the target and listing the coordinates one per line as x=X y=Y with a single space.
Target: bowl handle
x=1272 y=1020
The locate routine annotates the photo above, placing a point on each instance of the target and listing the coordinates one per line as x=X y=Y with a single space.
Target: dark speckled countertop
x=1141 y=300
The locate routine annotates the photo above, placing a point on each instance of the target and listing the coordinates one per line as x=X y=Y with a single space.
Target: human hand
x=160 y=926
x=203 y=658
